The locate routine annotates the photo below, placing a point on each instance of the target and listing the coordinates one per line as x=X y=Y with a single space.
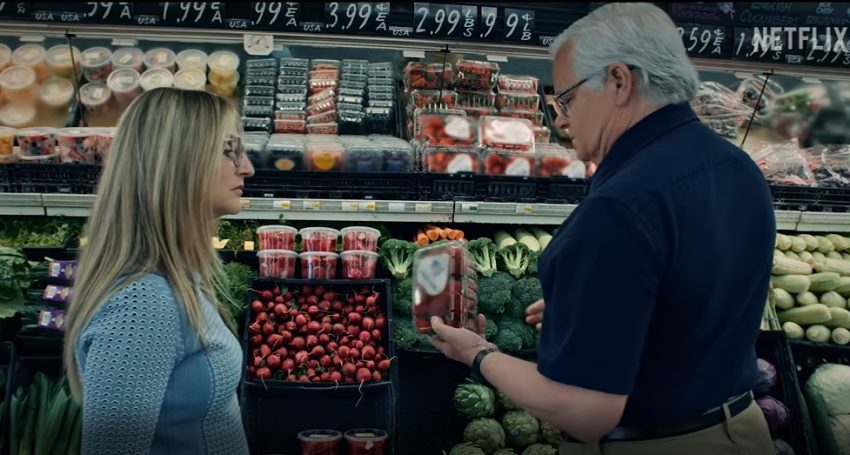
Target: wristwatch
x=476 y=365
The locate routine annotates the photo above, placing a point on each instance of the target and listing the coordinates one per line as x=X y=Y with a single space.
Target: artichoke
x=551 y=435
x=505 y=452
x=473 y=400
x=487 y=434
x=540 y=449
x=466 y=449
x=506 y=402
x=491 y=329
x=520 y=428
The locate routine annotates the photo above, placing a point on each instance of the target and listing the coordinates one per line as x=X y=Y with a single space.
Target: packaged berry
x=37 y=141
x=518 y=101
x=509 y=162
x=554 y=160
x=507 y=133
x=517 y=84
x=292 y=90
x=317 y=85
x=430 y=75
x=77 y=145
x=478 y=112
x=290 y=126
x=250 y=64
x=323 y=128
x=364 y=157
x=324 y=64
x=451 y=160
x=535 y=117
x=325 y=117
x=294 y=63
x=469 y=99
x=324 y=156
x=432 y=98
x=447 y=130
x=476 y=75
x=290 y=115
x=285 y=152
x=542 y=135
x=444 y=286
x=324 y=95
x=398 y=156
x=259 y=90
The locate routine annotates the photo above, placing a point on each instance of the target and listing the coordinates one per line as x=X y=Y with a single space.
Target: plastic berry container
x=125 y=84
x=554 y=160
x=77 y=145
x=277 y=237
x=365 y=157
x=542 y=135
x=277 y=263
x=518 y=100
x=97 y=63
x=447 y=130
x=319 y=64
x=192 y=59
x=223 y=66
x=535 y=117
x=507 y=133
x=18 y=84
x=320 y=442
x=454 y=160
x=366 y=441
x=324 y=156
x=318 y=265
x=508 y=162
x=129 y=57
x=5 y=56
x=95 y=97
x=433 y=75
x=476 y=99
x=444 y=285
x=37 y=141
x=323 y=128
x=32 y=56
x=7 y=140
x=190 y=79
x=431 y=98
x=46 y=159
x=286 y=126
x=360 y=238
x=359 y=265
x=476 y=75
x=17 y=115
x=319 y=239
x=161 y=57
x=517 y=84
x=156 y=78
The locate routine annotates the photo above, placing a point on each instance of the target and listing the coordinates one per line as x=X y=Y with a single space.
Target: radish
x=336 y=360
x=355 y=318
x=358 y=344
x=376 y=376
x=359 y=299
x=274 y=340
x=324 y=339
x=384 y=365
x=380 y=323
x=262 y=317
x=380 y=351
x=272 y=317
x=291 y=326
x=280 y=310
x=277 y=290
x=376 y=335
x=306 y=289
x=312 y=340
x=273 y=361
x=269 y=306
x=304 y=378
x=301 y=320
x=317 y=352
x=255 y=328
x=325 y=377
x=329 y=296
x=298 y=343
x=282 y=352
x=319 y=289
x=325 y=361
x=325 y=306
x=285 y=336
x=371 y=300
x=353 y=331
x=257 y=306
x=327 y=319
x=336 y=376
x=313 y=365
x=337 y=306
x=365 y=336
x=338 y=329
x=368 y=323
x=258 y=362
x=370 y=364
x=349 y=380
x=344 y=341
x=301 y=300
x=257 y=340
x=326 y=326
x=264 y=373
x=266 y=295
x=287 y=296
x=354 y=354
x=314 y=327
x=291 y=377
x=348 y=309
x=265 y=350
x=360 y=309
x=252 y=370
x=349 y=369
x=368 y=353
x=363 y=375
x=313 y=310
x=332 y=346
x=301 y=357
x=287 y=365
x=344 y=352
x=268 y=329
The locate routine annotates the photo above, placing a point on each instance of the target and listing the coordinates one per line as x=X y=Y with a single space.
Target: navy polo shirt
x=656 y=284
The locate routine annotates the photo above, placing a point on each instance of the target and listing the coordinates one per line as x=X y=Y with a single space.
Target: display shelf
x=346 y=210
x=787 y=220
x=824 y=222
x=70 y=205
x=21 y=204
x=511 y=213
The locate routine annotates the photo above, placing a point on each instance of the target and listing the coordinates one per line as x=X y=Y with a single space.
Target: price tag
x=487 y=22
x=70 y=12
x=246 y=203
x=193 y=14
x=351 y=206
x=706 y=41
x=312 y=205
x=769 y=48
x=109 y=12
x=524 y=209
x=264 y=15
x=368 y=206
x=469 y=207
x=282 y=205
x=438 y=20
x=519 y=25
x=357 y=17
x=14 y=9
x=248 y=246
x=423 y=207
x=827 y=51
x=396 y=207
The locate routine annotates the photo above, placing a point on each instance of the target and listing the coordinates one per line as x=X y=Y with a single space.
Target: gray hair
x=639 y=34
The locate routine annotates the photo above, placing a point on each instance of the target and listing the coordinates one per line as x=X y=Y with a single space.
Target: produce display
x=826 y=393
x=44 y=418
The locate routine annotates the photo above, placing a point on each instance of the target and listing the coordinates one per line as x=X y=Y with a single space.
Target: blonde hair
x=154 y=209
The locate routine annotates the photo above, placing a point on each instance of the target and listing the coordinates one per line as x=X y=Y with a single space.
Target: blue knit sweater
x=149 y=386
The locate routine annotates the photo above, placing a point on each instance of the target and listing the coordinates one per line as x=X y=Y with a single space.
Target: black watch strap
x=476 y=365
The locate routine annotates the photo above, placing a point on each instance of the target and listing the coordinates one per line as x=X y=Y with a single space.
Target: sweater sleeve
x=128 y=352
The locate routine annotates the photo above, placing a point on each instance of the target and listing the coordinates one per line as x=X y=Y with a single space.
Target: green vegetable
x=542 y=236
x=527 y=239
x=533 y=264
x=526 y=332
x=491 y=329
x=237 y=233
x=403 y=297
x=234 y=295
x=404 y=334
x=818 y=256
x=503 y=239
x=508 y=340
x=807 y=298
x=513 y=259
x=505 y=402
x=540 y=449
x=798 y=245
x=486 y=434
x=783 y=299
x=824 y=281
x=840 y=336
x=824 y=245
x=843 y=286
x=466 y=449
x=845 y=256
x=833 y=299
x=827 y=393
x=783 y=265
x=551 y=435
x=494 y=293
x=19 y=232
x=806 y=315
x=16 y=274
x=838 y=241
x=793 y=331
x=818 y=333
x=794 y=284
x=483 y=252
x=520 y=428
x=524 y=292
x=473 y=400
x=839 y=266
x=397 y=257
x=839 y=317
x=834 y=255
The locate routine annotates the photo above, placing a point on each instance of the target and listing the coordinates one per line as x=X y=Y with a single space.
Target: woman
x=148 y=351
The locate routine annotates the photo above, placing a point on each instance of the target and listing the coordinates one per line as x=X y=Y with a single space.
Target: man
x=655 y=285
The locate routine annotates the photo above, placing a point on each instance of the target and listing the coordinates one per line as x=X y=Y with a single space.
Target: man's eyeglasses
x=565 y=97
x=234 y=150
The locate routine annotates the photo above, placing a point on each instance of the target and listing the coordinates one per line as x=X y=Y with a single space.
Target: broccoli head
x=533 y=261
x=525 y=331
x=397 y=257
x=524 y=292
x=514 y=259
x=507 y=340
x=404 y=334
x=403 y=297
x=483 y=251
x=494 y=292
x=492 y=329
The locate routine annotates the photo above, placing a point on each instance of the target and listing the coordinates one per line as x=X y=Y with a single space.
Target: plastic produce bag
x=830 y=165
x=720 y=109
x=749 y=90
x=783 y=164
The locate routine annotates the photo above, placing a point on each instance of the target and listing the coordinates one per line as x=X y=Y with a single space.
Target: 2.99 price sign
x=435 y=20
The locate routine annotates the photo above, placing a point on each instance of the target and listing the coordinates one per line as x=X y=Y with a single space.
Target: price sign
x=15 y=10
x=361 y=17
x=263 y=15
x=193 y=14
x=438 y=20
x=71 y=12
x=109 y=12
x=487 y=22
x=519 y=25
x=706 y=41
x=764 y=48
x=827 y=51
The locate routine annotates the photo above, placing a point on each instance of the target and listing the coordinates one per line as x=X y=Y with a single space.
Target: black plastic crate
x=562 y=190
x=773 y=347
x=448 y=187
x=53 y=178
x=495 y=188
x=787 y=197
x=331 y=185
x=833 y=200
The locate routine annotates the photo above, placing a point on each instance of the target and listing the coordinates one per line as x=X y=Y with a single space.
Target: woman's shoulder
x=145 y=301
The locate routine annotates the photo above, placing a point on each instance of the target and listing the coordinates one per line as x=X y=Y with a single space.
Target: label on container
x=126 y=58
x=98 y=93
x=248 y=246
x=91 y=55
x=30 y=54
x=162 y=57
x=458 y=127
x=460 y=163
x=52 y=319
x=432 y=273
x=519 y=167
x=193 y=59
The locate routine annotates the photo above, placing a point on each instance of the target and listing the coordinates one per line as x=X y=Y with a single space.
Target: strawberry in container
x=507 y=133
x=554 y=160
x=324 y=65
x=517 y=84
x=326 y=128
x=428 y=75
x=444 y=286
x=509 y=162
x=454 y=160
x=518 y=101
x=318 y=265
x=277 y=263
x=359 y=265
x=535 y=117
x=448 y=130
x=360 y=238
x=427 y=98
x=476 y=75
x=277 y=237
x=478 y=112
x=542 y=135
x=319 y=239
x=468 y=99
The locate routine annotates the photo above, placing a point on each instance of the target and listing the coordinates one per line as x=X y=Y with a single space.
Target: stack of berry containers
x=323 y=87
x=318 y=257
x=445 y=285
x=554 y=160
x=381 y=90
x=446 y=141
x=277 y=251
x=427 y=86
x=359 y=252
x=352 y=93
x=518 y=98
x=290 y=114
x=259 y=100
x=507 y=146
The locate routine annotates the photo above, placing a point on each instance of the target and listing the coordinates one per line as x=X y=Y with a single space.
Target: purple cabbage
x=776 y=413
x=782 y=447
x=765 y=378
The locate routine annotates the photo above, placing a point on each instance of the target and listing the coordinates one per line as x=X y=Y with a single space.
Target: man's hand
x=461 y=345
x=534 y=314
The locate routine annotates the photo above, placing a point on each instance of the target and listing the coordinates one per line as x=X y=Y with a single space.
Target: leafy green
x=237 y=232
x=39 y=232
x=403 y=297
x=235 y=295
x=514 y=259
x=15 y=276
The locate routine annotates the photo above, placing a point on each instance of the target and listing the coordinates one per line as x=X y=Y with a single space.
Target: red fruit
x=359 y=309
x=376 y=376
x=306 y=289
x=349 y=369
x=301 y=320
x=285 y=336
x=314 y=327
x=326 y=328
x=336 y=376
x=337 y=306
x=301 y=300
x=291 y=378
x=262 y=317
x=358 y=344
x=324 y=339
x=355 y=318
x=380 y=350
x=338 y=329
x=325 y=305
x=273 y=361
x=317 y=352
x=325 y=377
x=354 y=354
x=257 y=340
x=280 y=310
x=384 y=365
x=257 y=306
x=332 y=346
x=368 y=353
x=264 y=373
x=268 y=329
x=265 y=350
x=344 y=352
x=277 y=290
x=313 y=365
x=291 y=326
x=313 y=311
x=266 y=295
x=370 y=364
x=337 y=360
x=274 y=340
x=365 y=336
x=312 y=340
x=363 y=375
x=325 y=361
x=376 y=335
x=353 y=331
x=380 y=323
x=368 y=323
x=298 y=343
x=287 y=365
x=255 y=328
x=335 y=318
x=301 y=357
x=252 y=370
x=360 y=299
x=329 y=296
x=345 y=341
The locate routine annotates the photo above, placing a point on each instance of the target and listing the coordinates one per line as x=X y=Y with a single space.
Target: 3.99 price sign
x=360 y=17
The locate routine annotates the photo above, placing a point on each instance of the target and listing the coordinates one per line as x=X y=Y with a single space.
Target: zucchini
x=824 y=245
x=807 y=298
x=794 y=284
x=840 y=267
x=839 y=318
x=811 y=242
x=806 y=257
x=792 y=255
x=797 y=244
x=783 y=265
x=527 y=239
x=841 y=336
x=834 y=255
x=806 y=315
x=783 y=299
x=824 y=281
x=839 y=242
x=818 y=256
x=783 y=243
x=843 y=287
x=793 y=331
x=833 y=299
x=818 y=334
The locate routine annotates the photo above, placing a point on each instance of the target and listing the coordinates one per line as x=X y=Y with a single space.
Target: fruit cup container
x=507 y=133
x=508 y=162
x=476 y=75
x=360 y=238
x=192 y=59
x=104 y=136
x=18 y=84
x=456 y=160
x=5 y=56
x=277 y=263
x=359 y=265
x=517 y=84
x=125 y=84
x=282 y=126
x=277 y=237
x=97 y=64
x=56 y=93
x=432 y=98
x=7 y=140
x=535 y=117
x=223 y=68
x=156 y=78
x=34 y=57
x=95 y=97
x=518 y=101
x=190 y=79
x=37 y=142
x=161 y=58
x=320 y=442
x=129 y=57
x=365 y=441
x=224 y=89
x=17 y=115
x=468 y=99
x=319 y=239
x=446 y=130
x=77 y=145
x=444 y=286
x=431 y=76
x=318 y=265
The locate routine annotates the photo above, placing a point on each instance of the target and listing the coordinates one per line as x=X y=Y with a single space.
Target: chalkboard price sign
x=194 y=14
x=109 y=12
x=519 y=25
x=436 y=20
x=361 y=17
x=706 y=41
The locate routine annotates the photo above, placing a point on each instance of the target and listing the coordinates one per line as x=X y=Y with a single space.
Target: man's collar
x=641 y=134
